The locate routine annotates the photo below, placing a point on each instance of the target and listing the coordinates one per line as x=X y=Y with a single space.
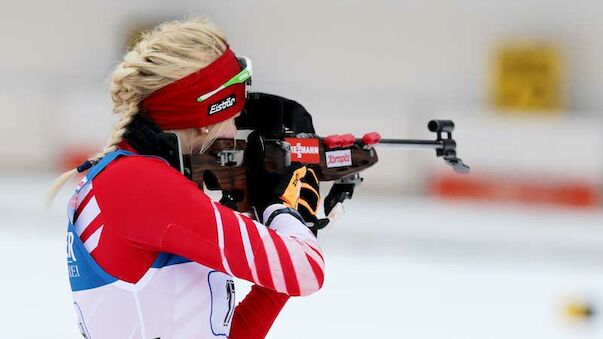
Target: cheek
x=230 y=131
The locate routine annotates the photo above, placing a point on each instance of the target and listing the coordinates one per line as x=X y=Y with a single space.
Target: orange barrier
x=73 y=157
x=524 y=190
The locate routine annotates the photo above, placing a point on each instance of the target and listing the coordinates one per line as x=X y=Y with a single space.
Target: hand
x=309 y=201
x=265 y=187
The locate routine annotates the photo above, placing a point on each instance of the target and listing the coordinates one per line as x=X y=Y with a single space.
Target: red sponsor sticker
x=304 y=150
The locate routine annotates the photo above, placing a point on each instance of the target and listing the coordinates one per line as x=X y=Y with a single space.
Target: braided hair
x=163 y=55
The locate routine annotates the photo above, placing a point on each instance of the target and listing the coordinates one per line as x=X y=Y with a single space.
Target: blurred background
x=513 y=250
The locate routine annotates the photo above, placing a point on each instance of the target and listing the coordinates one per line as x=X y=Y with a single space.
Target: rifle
x=289 y=136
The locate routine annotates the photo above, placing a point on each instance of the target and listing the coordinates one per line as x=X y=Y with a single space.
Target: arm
x=167 y=213
x=255 y=315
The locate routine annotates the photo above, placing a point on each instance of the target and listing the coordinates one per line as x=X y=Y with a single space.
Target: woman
x=149 y=254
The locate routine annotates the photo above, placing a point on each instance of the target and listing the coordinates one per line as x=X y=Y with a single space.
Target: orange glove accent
x=309 y=196
x=290 y=196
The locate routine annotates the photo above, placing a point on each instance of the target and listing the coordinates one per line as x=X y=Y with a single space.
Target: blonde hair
x=169 y=52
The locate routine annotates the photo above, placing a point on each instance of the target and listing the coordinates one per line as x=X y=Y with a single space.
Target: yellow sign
x=528 y=77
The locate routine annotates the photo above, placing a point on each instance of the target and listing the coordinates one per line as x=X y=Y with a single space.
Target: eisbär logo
x=339 y=158
x=304 y=150
x=222 y=105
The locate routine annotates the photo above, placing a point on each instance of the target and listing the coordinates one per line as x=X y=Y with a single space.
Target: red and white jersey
x=151 y=256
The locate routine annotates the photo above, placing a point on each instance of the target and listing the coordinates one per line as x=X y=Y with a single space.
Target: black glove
x=268 y=187
x=309 y=201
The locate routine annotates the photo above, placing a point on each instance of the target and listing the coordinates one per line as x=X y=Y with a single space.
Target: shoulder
x=141 y=173
x=146 y=190
x=139 y=167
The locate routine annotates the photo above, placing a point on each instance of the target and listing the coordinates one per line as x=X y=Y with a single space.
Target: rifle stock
x=221 y=167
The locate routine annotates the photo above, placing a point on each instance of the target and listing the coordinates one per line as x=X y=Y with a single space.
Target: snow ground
x=397 y=267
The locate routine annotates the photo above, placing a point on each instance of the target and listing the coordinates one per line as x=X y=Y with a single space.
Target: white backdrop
x=356 y=65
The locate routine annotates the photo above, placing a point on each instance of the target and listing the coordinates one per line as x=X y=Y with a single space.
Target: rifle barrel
x=411 y=143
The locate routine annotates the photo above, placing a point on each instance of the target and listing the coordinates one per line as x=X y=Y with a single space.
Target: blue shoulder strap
x=100 y=166
x=84 y=272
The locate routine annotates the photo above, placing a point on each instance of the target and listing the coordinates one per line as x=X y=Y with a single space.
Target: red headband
x=175 y=106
